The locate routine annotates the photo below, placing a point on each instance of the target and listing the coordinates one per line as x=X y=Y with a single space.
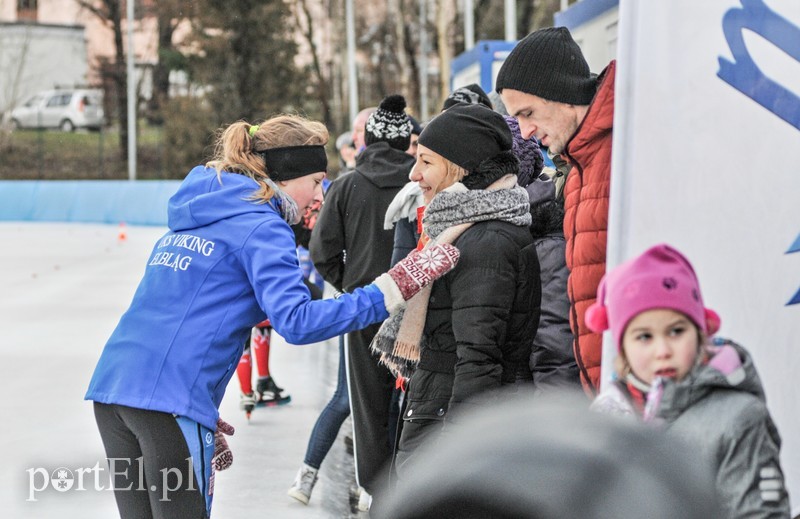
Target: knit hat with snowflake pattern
x=390 y=123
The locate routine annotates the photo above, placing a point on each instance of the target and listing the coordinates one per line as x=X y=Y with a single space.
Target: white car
x=62 y=109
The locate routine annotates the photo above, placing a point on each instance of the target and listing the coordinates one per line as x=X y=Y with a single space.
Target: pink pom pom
x=713 y=322
x=597 y=318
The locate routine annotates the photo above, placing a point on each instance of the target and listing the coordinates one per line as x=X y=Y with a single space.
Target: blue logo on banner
x=794 y=248
x=743 y=74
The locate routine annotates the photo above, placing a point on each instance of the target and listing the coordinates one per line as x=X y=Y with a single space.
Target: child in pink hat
x=672 y=372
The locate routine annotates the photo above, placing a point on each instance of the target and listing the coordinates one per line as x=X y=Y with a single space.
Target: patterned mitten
x=416 y=271
x=223 y=457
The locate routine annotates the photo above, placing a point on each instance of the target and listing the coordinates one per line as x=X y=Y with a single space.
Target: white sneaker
x=364 y=500
x=303 y=484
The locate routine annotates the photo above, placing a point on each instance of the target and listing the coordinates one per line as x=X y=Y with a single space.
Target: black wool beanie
x=467 y=134
x=549 y=64
x=390 y=123
x=470 y=94
x=416 y=128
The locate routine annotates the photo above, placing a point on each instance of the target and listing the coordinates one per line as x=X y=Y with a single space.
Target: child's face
x=660 y=343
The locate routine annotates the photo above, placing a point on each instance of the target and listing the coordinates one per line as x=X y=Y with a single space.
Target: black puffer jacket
x=481 y=321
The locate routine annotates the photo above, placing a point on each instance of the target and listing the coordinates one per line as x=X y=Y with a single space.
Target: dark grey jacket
x=552 y=360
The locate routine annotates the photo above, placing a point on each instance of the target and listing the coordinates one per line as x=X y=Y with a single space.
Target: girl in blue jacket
x=227 y=261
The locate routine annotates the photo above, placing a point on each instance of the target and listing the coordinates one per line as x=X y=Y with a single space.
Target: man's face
x=551 y=122
x=359 y=126
x=412 y=147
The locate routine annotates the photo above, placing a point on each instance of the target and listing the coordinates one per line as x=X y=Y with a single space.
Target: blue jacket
x=225 y=264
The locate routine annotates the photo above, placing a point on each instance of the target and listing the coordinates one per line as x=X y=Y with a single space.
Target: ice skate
x=247 y=402
x=269 y=394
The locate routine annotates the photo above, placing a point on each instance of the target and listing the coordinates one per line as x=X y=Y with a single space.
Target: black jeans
x=152 y=468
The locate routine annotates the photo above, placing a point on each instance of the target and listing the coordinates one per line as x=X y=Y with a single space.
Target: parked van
x=62 y=109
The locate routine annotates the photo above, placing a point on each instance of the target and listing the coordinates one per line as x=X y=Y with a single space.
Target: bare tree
x=305 y=22
x=110 y=14
x=168 y=15
x=445 y=42
x=245 y=59
x=397 y=31
x=410 y=45
x=542 y=14
x=489 y=19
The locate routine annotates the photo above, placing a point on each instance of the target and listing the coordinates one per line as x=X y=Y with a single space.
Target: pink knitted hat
x=661 y=277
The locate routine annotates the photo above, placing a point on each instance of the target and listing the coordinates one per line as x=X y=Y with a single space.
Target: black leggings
x=153 y=469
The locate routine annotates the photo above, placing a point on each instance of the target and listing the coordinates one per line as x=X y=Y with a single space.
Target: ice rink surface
x=64 y=287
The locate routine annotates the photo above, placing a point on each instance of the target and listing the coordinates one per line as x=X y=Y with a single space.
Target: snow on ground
x=64 y=287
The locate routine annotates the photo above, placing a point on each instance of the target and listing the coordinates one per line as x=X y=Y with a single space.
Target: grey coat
x=721 y=409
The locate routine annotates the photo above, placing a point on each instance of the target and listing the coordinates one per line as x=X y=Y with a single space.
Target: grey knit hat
x=471 y=94
x=549 y=64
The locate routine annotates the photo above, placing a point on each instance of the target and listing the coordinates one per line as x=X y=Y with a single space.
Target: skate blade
x=275 y=403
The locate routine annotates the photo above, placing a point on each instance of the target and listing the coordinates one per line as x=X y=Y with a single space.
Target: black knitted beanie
x=467 y=134
x=416 y=128
x=390 y=123
x=549 y=64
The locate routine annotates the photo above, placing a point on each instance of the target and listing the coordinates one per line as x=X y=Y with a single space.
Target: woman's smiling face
x=431 y=172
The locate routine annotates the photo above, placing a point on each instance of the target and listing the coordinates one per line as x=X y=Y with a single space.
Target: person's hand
x=223 y=457
x=415 y=272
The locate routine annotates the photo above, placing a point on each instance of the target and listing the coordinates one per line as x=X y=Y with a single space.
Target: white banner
x=707 y=158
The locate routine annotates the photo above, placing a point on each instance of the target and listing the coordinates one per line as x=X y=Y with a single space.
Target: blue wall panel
x=142 y=202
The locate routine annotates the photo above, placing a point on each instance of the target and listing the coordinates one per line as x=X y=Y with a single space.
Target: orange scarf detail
x=423 y=238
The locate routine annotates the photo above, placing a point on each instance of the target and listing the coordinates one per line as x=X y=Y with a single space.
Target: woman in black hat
x=470 y=332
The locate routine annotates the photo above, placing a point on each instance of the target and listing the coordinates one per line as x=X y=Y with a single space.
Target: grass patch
x=56 y=155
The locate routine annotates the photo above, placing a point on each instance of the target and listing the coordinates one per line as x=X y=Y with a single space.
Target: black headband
x=294 y=161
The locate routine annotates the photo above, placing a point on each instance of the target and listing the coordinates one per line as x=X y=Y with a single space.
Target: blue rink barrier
x=142 y=202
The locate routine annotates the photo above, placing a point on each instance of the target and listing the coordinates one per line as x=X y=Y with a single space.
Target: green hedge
x=165 y=152
x=56 y=155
